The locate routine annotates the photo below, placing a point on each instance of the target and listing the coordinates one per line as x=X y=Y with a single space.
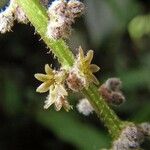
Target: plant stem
x=38 y=17
x=107 y=115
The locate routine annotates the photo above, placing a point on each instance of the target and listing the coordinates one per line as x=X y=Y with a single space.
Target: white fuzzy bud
x=76 y=7
x=58 y=7
x=85 y=107
x=113 y=84
x=58 y=29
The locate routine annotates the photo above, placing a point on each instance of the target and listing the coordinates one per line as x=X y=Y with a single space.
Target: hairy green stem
x=38 y=17
x=108 y=116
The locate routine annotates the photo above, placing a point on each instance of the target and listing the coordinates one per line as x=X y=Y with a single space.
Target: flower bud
x=85 y=107
x=76 y=8
x=113 y=84
x=117 y=98
x=74 y=82
x=61 y=16
x=111 y=91
x=146 y=128
x=130 y=138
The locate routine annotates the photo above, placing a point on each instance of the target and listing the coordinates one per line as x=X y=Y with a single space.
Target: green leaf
x=69 y=128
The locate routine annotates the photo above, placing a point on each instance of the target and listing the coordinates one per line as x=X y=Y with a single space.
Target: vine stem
x=37 y=15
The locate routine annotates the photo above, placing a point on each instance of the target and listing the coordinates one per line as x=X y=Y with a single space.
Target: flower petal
x=42 y=77
x=58 y=103
x=48 y=70
x=94 y=68
x=51 y=98
x=94 y=79
x=60 y=77
x=44 y=87
x=66 y=105
x=89 y=57
x=61 y=90
x=81 y=54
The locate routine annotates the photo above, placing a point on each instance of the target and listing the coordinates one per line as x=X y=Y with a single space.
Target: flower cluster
x=53 y=81
x=111 y=91
x=81 y=74
x=9 y=12
x=61 y=16
x=78 y=77
x=132 y=137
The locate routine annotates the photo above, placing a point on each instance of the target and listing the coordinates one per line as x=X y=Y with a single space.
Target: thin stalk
x=38 y=17
x=107 y=115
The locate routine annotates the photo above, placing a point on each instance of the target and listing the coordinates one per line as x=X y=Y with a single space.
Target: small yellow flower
x=47 y=79
x=81 y=75
x=53 y=81
x=85 y=67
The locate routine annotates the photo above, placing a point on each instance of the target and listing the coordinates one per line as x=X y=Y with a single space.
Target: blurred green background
x=119 y=33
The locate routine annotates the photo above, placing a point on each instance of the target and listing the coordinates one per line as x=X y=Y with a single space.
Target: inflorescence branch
x=38 y=17
x=76 y=72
